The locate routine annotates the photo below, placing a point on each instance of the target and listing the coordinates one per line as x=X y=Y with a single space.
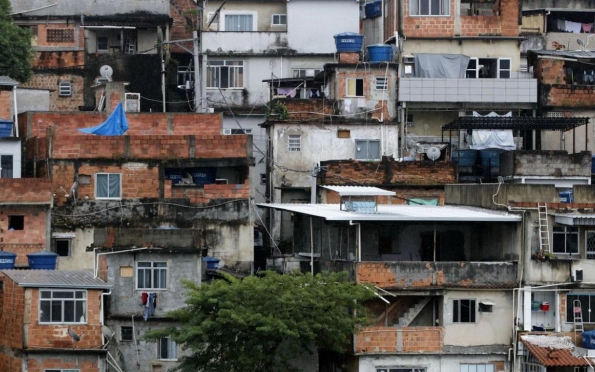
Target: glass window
x=587 y=307
x=108 y=186
x=355 y=87
x=504 y=68
x=126 y=334
x=303 y=72
x=463 y=311
x=477 y=368
x=167 y=349
x=62 y=306
x=102 y=43
x=381 y=83
x=279 y=19
x=429 y=7
x=151 y=275
x=565 y=239
x=239 y=22
x=62 y=247
x=294 y=142
x=225 y=74
x=472 y=69
x=6 y=166
x=367 y=149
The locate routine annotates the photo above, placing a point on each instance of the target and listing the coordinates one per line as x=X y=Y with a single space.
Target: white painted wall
x=312 y=24
x=431 y=363
x=12 y=147
x=79 y=257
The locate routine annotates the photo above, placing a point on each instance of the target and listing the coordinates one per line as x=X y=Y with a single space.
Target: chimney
x=349 y=57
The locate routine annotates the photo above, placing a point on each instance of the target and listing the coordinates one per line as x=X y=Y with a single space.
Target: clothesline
x=574 y=27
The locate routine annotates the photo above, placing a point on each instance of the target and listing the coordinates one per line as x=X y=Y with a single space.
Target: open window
x=16 y=222
x=480 y=7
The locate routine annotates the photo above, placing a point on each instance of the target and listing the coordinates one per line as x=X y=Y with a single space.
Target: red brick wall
x=550 y=71
x=413 y=340
x=179 y=29
x=505 y=24
x=51 y=82
x=239 y=191
x=66 y=123
x=13 y=310
x=377 y=273
x=10 y=364
x=302 y=109
x=25 y=190
x=86 y=364
x=402 y=195
x=568 y=95
x=22 y=242
x=5 y=104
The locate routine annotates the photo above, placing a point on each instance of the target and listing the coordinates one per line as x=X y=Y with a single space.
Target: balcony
x=390 y=340
x=224 y=42
x=425 y=274
x=468 y=90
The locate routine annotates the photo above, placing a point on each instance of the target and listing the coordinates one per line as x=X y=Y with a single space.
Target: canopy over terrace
x=518 y=123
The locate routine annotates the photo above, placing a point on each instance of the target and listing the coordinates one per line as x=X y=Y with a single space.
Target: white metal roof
x=575 y=219
x=56 y=279
x=359 y=191
x=332 y=212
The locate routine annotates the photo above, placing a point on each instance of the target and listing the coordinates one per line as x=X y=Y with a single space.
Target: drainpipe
x=16 y=111
x=311 y=248
x=313 y=184
x=358 y=253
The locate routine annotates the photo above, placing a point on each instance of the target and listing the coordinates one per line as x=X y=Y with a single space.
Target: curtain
x=102 y=185
x=114 y=186
x=238 y=22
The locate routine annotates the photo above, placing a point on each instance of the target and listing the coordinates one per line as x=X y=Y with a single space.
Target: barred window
x=60 y=35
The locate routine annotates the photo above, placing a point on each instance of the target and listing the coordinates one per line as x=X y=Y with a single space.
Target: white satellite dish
x=433 y=152
x=107 y=72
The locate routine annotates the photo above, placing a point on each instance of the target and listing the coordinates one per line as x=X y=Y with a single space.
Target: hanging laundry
x=587 y=27
x=347 y=103
x=574 y=27
x=561 y=25
x=144 y=297
x=149 y=308
x=284 y=91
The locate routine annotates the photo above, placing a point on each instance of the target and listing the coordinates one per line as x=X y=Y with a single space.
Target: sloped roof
x=359 y=191
x=56 y=279
x=5 y=80
x=553 y=351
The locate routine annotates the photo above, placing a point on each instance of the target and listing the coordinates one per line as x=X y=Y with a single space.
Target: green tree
x=16 y=52
x=261 y=323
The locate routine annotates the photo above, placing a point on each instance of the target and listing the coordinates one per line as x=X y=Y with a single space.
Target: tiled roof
x=557 y=353
x=56 y=279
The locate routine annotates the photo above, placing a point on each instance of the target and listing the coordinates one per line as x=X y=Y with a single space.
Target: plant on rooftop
x=261 y=323
x=278 y=111
x=16 y=52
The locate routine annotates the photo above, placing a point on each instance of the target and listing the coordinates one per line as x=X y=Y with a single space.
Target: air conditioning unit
x=577 y=275
x=132 y=102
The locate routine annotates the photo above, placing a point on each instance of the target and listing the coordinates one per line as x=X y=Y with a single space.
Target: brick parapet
x=390 y=340
x=25 y=190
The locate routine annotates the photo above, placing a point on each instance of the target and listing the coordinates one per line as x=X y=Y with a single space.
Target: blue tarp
x=115 y=125
x=6 y=128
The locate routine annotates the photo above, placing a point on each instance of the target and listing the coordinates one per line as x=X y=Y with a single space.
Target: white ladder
x=578 y=319
x=544 y=231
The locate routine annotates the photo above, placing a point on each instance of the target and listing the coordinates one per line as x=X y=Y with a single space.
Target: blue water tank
x=174 y=174
x=491 y=157
x=373 y=9
x=42 y=260
x=566 y=196
x=349 y=42
x=380 y=53
x=7 y=260
x=212 y=262
x=203 y=176
x=589 y=340
x=466 y=158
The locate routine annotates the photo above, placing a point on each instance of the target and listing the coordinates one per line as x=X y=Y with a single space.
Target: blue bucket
x=380 y=53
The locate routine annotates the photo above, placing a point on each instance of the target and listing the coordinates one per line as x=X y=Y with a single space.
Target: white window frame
x=500 y=69
x=308 y=72
x=396 y=368
x=566 y=232
x=108 y=183
x=223 y=14
x=589 y=254
x=477 y=367
x=443 y=4
x=53 y=299
x=224 y=63
x=381 y=83
x=65 y=89
x=475 y=70
x=230 y=131
x=279 y=17
x=347 y=93
x=584 y=305
x=454 y=303
x=172 y=347
x=367 y=141
x=294 y=142
x=152 y=269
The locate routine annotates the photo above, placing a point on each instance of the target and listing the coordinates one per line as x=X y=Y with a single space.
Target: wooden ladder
x=578 y=319
x=544 y=231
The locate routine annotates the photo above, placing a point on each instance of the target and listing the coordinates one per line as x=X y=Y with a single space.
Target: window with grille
x=232 y=131
x=279 y=19
x=463 y=311
x=126 y=334
x=554 y=114
x=587 y=307
x=151 y=275
x=65 y=89
x=225 y=74
x=102 y=43
x=294 y=142
x=381 y=83
x=62 y=306
x=477 y=368
x=6 y=166
x=429 y=7
x=60 y=35
x=590 y=244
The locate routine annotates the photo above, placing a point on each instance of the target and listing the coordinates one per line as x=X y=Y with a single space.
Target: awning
x=519 y=123
x=575 y=219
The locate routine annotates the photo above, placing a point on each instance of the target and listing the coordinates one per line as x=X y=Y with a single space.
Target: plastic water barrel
x=203 y=176
x=42 y=260
x=212 y=263
x=349 y=42
x=380 y=53
x=466 y=158
x=491 y=157
x=373 y=9
x=174 y=174
x=7 y=260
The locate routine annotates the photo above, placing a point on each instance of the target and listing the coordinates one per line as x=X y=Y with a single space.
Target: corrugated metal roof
x=5 y=80
x=359 y=191
x=584 y=54
x=56 y=279
x=575 y=219
x=332 y=212
x=555 y=351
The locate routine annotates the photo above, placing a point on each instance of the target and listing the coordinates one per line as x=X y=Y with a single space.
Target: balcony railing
x=379 y=340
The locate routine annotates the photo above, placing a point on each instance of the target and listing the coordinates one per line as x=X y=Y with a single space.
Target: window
x=62 y=247
x=294 y=142
x=477 y=368
x=343 y=133
x=263 y=178
x=463 y=311
x=355 y=87
x=304 y=72
x=479 y=8
x=108 y=185
x=167 y=349
x=367 y=149
x=62 y=306
x=126 y=334
x=126 y=271
x=102 y=43
x=279 y=19
x=225 y=74
x=16 y=222
x=503 y=68
x=60 y=35
x=472 y=69
x=488 y=68
x=239 y=22
x=65 y=89
x=6 y=166
x=236 y=131
x=400 y=369
x=565 y=239
x=151 y=275
x=381 y=83
x=429 y=7
x=587 y=307
x=590 y=244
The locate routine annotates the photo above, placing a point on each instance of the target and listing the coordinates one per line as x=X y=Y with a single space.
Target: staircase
x=578 y=319
x=410 y=314
x=544 y=231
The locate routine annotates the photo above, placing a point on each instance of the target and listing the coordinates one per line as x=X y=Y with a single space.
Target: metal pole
x=197 y=88
x=163 y=82
x=313 y=184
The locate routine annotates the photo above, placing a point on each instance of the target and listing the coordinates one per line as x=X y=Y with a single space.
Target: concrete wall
x=545 y=163
x=554 y=141
x=316 y=22
x=481 y=195
x=89 y=7
x=432 y=363
x=33 y=100
x=80 y=257
x=262 y=14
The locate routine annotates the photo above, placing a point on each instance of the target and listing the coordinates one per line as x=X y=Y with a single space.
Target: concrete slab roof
x=405 y=213
x=71 y=279
x=57 y=8
x=359 y=191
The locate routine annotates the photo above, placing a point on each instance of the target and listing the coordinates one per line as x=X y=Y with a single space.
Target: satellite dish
x=73 y=335
x=108 y=333
x=107 y=72
x=433 y=152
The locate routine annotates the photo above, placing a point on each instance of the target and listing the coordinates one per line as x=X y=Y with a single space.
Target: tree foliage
x=16 y=52
x=261 y=323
